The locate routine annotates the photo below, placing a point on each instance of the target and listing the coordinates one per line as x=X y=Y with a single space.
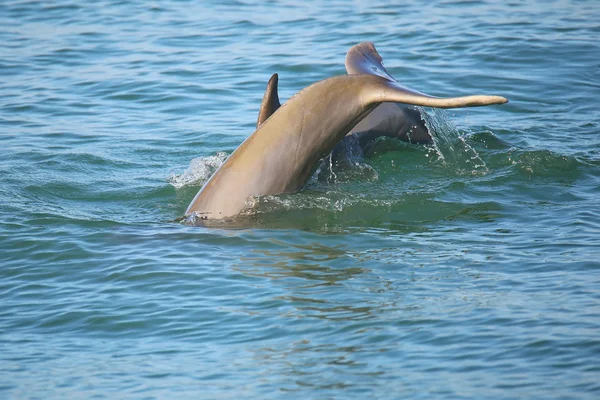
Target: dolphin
x=283 y=152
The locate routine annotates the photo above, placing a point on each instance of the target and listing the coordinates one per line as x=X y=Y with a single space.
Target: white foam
x=199 y=171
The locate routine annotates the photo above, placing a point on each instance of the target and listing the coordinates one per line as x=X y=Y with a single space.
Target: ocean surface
x=466 y=269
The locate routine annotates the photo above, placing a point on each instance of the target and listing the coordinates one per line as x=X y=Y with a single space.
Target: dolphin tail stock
x=270 y=102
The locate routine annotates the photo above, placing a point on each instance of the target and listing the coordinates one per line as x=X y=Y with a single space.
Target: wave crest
x=199 y=171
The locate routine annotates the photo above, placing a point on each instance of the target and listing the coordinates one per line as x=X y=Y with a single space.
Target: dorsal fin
x=270 y=102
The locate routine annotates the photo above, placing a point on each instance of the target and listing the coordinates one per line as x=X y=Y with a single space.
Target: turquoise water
x=468 y=269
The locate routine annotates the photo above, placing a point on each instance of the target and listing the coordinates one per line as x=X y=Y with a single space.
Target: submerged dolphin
x=283 y=152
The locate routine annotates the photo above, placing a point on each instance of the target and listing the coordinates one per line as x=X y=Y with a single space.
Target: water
x=466 y=270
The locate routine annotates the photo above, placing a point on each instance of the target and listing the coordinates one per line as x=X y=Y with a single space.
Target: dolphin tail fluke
x=391 y=91
x=364 y=59
x=270 y=102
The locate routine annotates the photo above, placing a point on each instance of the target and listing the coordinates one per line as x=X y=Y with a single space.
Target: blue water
x=469 y=269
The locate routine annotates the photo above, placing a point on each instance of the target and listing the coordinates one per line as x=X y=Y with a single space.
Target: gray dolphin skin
x=284 y=151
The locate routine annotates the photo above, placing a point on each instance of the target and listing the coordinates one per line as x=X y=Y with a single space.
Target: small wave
x=335 y=211
x=330 y=201
x=328 y=204
x=199 y=171
x=545 y=163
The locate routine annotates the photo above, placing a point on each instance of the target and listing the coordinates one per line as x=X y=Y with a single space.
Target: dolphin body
x=284 y=151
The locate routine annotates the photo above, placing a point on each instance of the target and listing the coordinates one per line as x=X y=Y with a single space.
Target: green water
x=468 y=269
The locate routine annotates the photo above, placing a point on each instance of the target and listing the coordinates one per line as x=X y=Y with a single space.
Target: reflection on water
x=348 y=323
x=315 y=262
x=324 y=366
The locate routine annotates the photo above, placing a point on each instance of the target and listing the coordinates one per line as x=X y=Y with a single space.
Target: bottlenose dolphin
x=284 y=151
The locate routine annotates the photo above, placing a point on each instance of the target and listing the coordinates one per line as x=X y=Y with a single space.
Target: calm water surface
x=468 y=269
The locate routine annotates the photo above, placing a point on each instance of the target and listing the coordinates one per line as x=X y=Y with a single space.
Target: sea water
x=465 y=269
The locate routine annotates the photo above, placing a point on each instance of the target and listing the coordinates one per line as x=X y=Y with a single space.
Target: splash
x=346 y=163
x=449 y=144
x=199 y=171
